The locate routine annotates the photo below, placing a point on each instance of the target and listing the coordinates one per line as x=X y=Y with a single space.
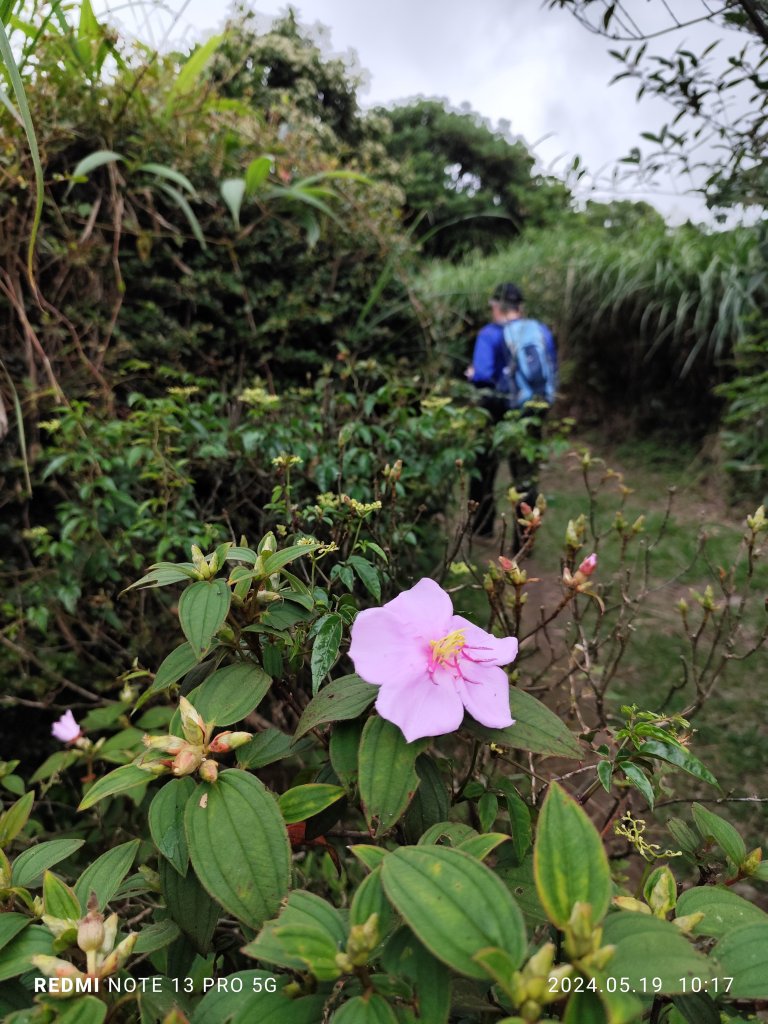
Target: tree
x=467 y=186
x=719 y=93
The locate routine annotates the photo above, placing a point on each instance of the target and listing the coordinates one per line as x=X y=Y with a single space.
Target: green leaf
x=454 y=831
x=370 y=856
x=343 y=750
x=189 y=905
x=233 y=192
x=173 y=668
x=239 y=846
x=256 y=1003
x=276 y=561
x=304 y=802
x=8 y=59
x=82 y=1010
x=405 y=957
x=388 y=778
x=369 y=899
x=93 y=161
x=126 y=777
x=257 y=173
x=14 y=957
x=29 y=866
x=59 y=900
x=431 y=803
x=723 y=910
x=519 y=818
x=743 y=955
x=106 y=873
x=639 y=780
x=536 y=729
x=192 y=69
x=341 y=699
x=203 y=609
x=15 y=818
x=164 y=574
x=231 y=693
x=10 y=926
x=678 y=757
x=265 y=748
x=166 y=821
x=169 y=173
x=365 y=1010
x=306 y=936
x=487 y=810
x=454 y=904
x=482 y=846
x=647 y=947
x=724 y=834
x=605 y=774
x=697 y=1009
x=520 y=881
x=183 y=204
x=325 y=649
x=156 y=936
x=585 y=1008
x=57 y=762
x=369 y=576
x=570 y=863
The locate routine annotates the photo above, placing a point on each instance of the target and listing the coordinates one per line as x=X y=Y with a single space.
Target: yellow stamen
x=448 y=646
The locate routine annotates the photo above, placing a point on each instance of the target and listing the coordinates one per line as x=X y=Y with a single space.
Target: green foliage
x=744 y=432
x=467 y=186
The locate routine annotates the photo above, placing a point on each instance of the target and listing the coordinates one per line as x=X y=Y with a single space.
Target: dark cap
x=509 y=294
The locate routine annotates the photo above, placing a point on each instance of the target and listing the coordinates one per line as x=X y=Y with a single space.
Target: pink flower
x=589 y=565
x=430 y=664
x=66 y=728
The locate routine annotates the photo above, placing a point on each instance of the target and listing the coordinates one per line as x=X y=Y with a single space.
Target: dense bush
x=474 y=883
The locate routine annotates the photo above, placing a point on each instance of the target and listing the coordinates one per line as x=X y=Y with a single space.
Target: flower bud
x=226 y=741
x=187 y=761
x=90 y=929
x=209 y=770
x=589 y=565
x=110 y=933
x=192 y=723
x=167 y=744
x=55 y=967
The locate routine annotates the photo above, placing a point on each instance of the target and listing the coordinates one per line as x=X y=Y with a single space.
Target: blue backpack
x=529 y=373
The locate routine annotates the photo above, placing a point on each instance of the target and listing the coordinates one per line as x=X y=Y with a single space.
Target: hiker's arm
x=484 y=358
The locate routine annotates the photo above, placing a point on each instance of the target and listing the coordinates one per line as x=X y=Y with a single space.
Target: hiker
x=514 y=362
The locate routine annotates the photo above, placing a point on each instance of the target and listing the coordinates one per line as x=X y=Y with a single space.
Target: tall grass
x=679 y=297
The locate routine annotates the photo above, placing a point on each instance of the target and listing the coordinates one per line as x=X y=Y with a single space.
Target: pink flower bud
x=66 y=729
x=209 y=771
x=167 y=744
x=589 y=565
x=227 y=741
x=187 y=761
x=506 y=563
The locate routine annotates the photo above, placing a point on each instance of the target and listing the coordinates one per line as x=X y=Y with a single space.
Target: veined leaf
x=454 y=904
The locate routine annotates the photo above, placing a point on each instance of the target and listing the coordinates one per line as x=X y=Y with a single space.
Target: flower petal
x=485 y=694
x=421 y=708
x=425 y=610
x=492 y=650
x=383 y=649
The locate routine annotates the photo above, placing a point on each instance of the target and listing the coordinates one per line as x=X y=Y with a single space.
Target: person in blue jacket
x=514 y=362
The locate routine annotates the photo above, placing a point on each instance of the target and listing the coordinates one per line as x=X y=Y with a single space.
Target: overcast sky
x=511 y=60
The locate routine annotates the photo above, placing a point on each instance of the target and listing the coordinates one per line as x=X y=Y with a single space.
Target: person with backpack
x=514 y=362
